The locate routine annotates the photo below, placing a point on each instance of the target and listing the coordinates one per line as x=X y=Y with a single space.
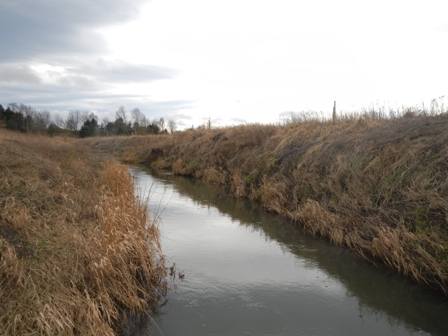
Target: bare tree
x=47 y=118
x=93 y=116
x=144 y=122
x=84 y=116
x=28 y=112
x=106 y=120
x=172 y=125
x=59 y=121
x=72 y=121
x=162 y=124
x=136 y=117
x=14 y=107
x=43 y=119
x=121 y=113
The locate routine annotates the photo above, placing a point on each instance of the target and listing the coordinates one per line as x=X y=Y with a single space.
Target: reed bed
x=377 y=185
x=77 y=248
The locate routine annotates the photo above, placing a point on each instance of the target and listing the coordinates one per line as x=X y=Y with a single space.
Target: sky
x=233 y=61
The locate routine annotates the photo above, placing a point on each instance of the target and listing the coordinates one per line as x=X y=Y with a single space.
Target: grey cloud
x=61 y=34
x=30 y=28
x=63 y=95
x=88 y=77
x=77 y=80
x=124 y=72
x=18 y=74
x=63 y=98
x=47 y=97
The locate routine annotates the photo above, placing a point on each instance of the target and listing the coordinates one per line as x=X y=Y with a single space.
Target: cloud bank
x=33 y=29
x=54 y=57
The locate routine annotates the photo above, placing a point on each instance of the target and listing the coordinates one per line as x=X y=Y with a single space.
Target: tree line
x=24 y=118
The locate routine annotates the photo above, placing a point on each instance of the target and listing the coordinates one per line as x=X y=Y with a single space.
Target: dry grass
x=378 y=186
x=76 y=246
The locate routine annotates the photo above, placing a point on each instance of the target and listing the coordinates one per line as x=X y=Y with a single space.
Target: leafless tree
x=136 y=117
x=105 y=120
x=121 y=113
x=58 y=121
x=93 y=116
x=43 y=119
x=172 y=125
x=144 y=122
x=84 y=116
x=162 y=124
x=72 y=121
x=14 y=107
x=29 y=113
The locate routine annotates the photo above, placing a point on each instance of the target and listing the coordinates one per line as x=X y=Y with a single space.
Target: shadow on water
x=376 y=290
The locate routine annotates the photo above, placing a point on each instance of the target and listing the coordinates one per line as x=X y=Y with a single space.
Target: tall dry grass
x=374 y=183
x=76 y=246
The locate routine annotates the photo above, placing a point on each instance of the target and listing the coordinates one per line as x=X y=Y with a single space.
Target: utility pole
x=334 y=111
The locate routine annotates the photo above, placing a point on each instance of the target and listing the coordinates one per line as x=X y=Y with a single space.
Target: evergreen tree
x=153 y=128
x=14 y=120
x=2 y=120
x=89 y=128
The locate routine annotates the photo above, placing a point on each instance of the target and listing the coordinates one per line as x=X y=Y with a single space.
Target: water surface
x=248 y=272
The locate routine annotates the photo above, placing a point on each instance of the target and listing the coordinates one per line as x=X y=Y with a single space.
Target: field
x=77 y=248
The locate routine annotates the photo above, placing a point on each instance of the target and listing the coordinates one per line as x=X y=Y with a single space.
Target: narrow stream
x=248 y=272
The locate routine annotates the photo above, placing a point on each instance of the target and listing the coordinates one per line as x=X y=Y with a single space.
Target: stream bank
x=377 y=187
x=245 y=271
x=77 y=248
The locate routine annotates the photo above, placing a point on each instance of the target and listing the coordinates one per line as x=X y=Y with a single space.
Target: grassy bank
x=76 y=246
x=377 y=186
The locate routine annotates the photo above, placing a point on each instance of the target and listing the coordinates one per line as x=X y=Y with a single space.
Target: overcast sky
x=232 y=61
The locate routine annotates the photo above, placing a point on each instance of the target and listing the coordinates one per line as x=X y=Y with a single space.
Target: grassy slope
x=379 y=187
x=76 y=246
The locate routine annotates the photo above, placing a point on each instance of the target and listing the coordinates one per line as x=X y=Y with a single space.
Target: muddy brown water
x=248 y=272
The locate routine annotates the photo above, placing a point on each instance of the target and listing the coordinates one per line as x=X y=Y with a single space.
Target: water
x=248 y=272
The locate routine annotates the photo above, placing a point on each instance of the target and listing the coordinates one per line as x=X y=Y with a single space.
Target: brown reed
x=76 y=246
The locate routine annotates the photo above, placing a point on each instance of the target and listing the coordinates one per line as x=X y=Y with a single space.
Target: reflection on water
x=248 y=272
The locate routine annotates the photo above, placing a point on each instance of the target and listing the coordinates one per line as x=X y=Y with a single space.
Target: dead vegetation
x=376 y=185
x=76 y=246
